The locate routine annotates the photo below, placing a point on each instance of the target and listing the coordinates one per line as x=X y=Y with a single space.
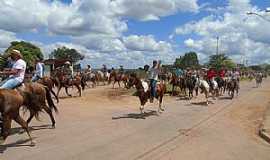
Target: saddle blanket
x=145 y=86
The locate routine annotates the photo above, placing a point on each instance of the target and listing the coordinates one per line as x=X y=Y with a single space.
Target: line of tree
x=190 y=60
x=32 y=52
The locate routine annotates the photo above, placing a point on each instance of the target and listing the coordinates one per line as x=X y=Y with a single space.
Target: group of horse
x=36 y=97
x=189 y=84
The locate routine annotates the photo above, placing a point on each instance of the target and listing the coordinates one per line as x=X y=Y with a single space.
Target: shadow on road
x=20 y=143
x=137 y=115
x=202 y=103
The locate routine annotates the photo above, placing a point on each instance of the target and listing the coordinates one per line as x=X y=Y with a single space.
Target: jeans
x=35 y=78
x=153 y=84
x=9 y=83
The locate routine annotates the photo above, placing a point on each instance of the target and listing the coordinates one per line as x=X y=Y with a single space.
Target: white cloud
x=241 y=37
x=146 y=43
x=5 y=39
x=96 y=27
x=152 y=9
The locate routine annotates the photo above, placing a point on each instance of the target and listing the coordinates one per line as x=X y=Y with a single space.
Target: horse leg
x=59 y=88
x=30 y=118
x=118 y=83
x=79 y=90
x=49 y=111
x=24 y=125
x=56 y=97
x=66 y=89
x=172 y=90
x=6 y=126
x=160 y=109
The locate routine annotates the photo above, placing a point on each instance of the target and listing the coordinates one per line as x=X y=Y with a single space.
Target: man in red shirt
x=222 y=73
x=211 y=74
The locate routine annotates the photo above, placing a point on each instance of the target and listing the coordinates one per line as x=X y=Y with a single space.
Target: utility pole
x=217 y=44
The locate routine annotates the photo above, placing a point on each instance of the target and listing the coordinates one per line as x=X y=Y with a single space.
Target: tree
x=190 y=59
x=219 y=61
x=67 y=53
x=29 y=51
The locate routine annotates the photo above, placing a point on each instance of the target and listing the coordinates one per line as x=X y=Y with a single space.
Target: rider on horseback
x=88 y=69
x=121 y=70
x=211 y=74
x=39 y=73
x=16 y=73
x=153 y=78
x=68 y=71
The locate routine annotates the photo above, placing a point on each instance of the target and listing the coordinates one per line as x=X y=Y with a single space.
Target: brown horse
x=117 y=77
x=145 y=95
x=31 y=95
x=49 y=83
x=36 y=102
x=63 y=81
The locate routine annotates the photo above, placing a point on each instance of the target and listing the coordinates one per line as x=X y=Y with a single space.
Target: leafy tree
x=67 y=53
x=190 y=59
x=29 y=51
x=219 y=61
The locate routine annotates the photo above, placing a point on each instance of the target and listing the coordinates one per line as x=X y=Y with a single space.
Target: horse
x=258 y=78
x=33 y=97
x=64 y=81
x=102 y=77
x=38 y=94
x=49 y=83
x=205 y=88
x=117 y=77
x=191 y=83
x=221 y=85
x=89 y=77
x=232 y=87
x=178 y=82
x=143 y=91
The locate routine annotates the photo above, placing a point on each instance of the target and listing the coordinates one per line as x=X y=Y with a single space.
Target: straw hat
x=16 y=53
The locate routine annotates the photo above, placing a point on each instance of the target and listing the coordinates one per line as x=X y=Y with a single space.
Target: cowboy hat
x=16 y=52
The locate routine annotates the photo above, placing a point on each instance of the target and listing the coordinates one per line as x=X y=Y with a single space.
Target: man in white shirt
x=153 y=77
x=16 y=73
x=39 y=70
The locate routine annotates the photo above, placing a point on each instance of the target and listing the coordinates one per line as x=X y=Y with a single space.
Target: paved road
x=101 y=126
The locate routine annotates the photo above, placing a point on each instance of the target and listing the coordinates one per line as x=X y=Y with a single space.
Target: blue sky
x=108 y=31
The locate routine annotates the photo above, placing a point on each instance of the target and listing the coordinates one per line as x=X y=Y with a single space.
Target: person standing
x=16 y=73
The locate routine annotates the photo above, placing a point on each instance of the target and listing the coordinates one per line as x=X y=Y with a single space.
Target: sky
x=135 y=32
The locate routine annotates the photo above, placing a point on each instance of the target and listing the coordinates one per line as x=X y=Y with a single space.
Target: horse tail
x=50 y=101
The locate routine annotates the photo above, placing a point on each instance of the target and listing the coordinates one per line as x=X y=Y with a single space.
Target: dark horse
x=143 y=94
x=178 y=82
x=63 y=81
x=222 y=84
x=192 y=84
x=33 y=96
x=117 y=77
x=233 y=86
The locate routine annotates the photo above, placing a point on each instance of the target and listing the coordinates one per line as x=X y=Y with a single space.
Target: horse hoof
x=53 y=126
x=32 y=144
x=2 y=140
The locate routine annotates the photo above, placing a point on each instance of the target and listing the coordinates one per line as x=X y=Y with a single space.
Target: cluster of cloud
x=95 y=27
x=242 y=37
x=98 y=28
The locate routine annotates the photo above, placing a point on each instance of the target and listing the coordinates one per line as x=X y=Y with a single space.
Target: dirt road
x=105 y=124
